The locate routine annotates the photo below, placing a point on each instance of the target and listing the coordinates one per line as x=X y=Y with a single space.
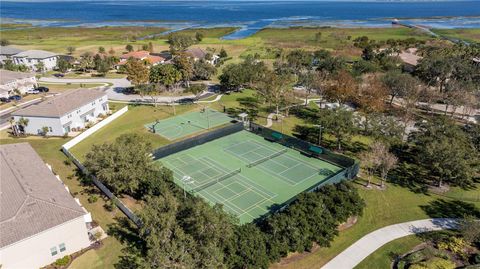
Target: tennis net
x=217 y=180
x=264 y=159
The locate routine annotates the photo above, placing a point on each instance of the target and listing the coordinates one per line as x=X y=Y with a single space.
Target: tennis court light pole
x=319 y=133
x=208 y=118
x=186 y=180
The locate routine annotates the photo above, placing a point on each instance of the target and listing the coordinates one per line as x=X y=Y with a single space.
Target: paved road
x=361 y=249
x=115 y=92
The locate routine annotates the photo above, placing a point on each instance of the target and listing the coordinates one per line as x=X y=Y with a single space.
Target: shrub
x=98 y=235
x=92 y=198
x=476 y=259
x=63 y=261
x=455 y=245
x=435 y=263
x=110 y=205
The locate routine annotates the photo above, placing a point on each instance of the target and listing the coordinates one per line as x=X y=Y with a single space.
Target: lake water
x=250 y=16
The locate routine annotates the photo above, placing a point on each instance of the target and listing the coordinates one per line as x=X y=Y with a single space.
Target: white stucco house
x=40 y=221
x=11 y=81
x=64 y=112
x=31 y=58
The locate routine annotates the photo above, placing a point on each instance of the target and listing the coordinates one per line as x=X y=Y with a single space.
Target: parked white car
x=33 y=91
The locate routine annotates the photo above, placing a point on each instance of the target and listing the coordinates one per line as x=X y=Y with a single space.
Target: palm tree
x=44 y=131
x=12 y=124
x=23 y=122
x=40 y=66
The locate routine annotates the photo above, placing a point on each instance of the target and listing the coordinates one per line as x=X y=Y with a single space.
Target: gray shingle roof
x=35 y=54
x=7 y=76
x=7 y=50
x=197 y=53
x=32 y=199
x=61 y=104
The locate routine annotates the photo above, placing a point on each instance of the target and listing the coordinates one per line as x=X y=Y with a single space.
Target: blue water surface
x=250 y=16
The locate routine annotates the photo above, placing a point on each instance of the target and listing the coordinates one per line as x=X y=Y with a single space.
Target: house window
x=50 y=128
x=62 y=247
x=53 y=251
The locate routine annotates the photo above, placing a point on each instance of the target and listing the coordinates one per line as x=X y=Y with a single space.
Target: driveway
x=115 y=92
x=361 y=249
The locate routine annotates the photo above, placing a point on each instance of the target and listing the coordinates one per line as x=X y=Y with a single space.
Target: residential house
x=410 y=59
x=12 y=82
x=199 y=54
x=31 y=58
x=141 y=55
x=6 y=53
x=40 y=221
x=61 y=114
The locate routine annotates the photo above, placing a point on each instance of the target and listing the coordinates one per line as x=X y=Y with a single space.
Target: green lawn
x=472 y=35
x=394 y=205
x=105 y=257
x=132 y=122
x=383 y=257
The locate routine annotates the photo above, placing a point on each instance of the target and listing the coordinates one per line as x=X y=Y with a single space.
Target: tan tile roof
x=7 y=76
x=152 y=59
x=32 y=199
x=61 y=104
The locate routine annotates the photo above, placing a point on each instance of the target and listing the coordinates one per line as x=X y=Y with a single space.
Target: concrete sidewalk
x=361 y=249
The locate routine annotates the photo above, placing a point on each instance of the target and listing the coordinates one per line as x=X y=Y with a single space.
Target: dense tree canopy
x=137 y=72
x=447 y=152
x=165 y=74
x=124 y=165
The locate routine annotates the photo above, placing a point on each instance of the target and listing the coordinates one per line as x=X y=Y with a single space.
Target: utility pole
x=208 y=118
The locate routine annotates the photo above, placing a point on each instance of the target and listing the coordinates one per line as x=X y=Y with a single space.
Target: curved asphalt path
x=361 y=249
x=115 y=92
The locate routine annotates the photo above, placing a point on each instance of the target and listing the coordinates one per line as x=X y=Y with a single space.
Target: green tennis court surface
x=246 y=173
x=188 y=124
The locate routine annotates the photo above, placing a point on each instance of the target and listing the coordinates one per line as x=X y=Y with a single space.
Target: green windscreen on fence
x=317 y=150
x=277 y=135
x=352 y=167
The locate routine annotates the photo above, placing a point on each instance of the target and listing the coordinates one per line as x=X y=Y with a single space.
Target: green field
x=247 y=174
x=471 y=35
x=187 y=124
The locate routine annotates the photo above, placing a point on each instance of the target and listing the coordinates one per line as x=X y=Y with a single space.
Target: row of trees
x=187 y=232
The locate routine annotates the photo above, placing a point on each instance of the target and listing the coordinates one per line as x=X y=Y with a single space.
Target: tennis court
x=239 y=195
x=188 y=123
x=247 y=174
